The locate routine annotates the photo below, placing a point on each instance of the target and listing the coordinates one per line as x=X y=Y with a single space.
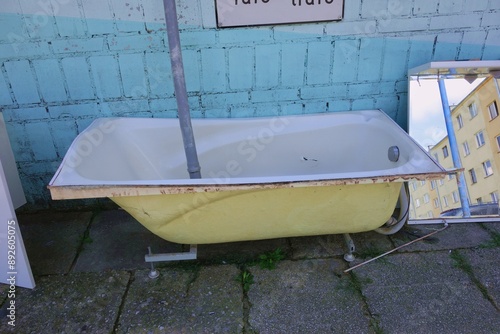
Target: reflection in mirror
x=470 y=141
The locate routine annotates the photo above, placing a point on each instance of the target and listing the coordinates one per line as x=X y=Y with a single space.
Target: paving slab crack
x=462 y=263
x=245 y=300
x=84 y=240
x=247 y=328
x=194 y=268
x=374 y=321
x=122 y=304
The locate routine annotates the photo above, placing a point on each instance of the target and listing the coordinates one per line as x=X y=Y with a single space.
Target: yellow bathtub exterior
x=254 y=214
x=262 y=178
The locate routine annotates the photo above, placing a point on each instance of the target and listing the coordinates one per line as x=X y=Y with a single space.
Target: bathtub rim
x=142 y=189
x=100 y=189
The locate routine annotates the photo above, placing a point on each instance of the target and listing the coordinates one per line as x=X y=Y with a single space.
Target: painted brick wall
x=67 y=62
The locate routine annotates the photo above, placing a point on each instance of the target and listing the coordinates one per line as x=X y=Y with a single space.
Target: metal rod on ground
x=395 y=249
x=180 y=89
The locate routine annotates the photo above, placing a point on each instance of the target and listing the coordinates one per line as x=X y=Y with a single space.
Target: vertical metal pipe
x=462 y=191
x=180 y=89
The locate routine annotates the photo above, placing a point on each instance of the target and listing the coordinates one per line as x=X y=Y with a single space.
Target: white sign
x=235 y=13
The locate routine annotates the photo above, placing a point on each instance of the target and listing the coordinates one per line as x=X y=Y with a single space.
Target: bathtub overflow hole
x=393 y=153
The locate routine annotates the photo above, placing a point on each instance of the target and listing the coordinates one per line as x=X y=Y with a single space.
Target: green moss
x=462 y=263
x=371 y=252
x=493 y=243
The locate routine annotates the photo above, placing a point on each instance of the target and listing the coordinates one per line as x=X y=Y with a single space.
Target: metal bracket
x=167 y=257
x=349 y=256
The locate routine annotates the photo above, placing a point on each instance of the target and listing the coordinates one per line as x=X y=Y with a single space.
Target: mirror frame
x=470 y=69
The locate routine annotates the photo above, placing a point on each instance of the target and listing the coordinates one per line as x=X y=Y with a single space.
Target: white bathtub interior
x=290 y=148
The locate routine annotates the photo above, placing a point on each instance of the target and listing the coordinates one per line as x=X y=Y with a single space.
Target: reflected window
x=436 y=203
x=492 y=108
x=445 y=201
x=414 y=185
x=498 y=142
x=488 y=170
x=472 y=110
x=460 y=121
x=445 y=151
x=433 y=184
x=465 y=146
x=472 y=174
x=480 y=139
x=417 y=202
x=494 y=197
x=455 y=197
x=427 y=198
x=479 y=200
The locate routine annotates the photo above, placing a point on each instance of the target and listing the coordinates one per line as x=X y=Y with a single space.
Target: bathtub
x=262 y=178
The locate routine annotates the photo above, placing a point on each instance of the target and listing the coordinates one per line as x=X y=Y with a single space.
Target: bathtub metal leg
x=349 y=256
x=153 y=273
x=165 y=257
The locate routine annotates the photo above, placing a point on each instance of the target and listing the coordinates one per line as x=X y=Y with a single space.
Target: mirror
x=468 y=93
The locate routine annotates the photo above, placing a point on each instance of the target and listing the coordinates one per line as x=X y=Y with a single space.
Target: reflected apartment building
x=476 y=123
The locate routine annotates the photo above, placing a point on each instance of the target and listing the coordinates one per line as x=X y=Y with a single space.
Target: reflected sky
x=427 y=124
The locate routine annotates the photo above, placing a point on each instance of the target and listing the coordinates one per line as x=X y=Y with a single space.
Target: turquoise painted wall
x=67 y=62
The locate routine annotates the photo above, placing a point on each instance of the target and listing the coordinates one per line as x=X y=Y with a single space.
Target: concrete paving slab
x=117 y=241
x=52 y=239
x=411 y=268
x=418 y=290
x=485 y=265
x=369 y=244
x=366 y=244
x=200 y=300
x=4 y=288
x=304 y=297
x=317 y=247
x=432 y=308
x=492 y=227
x=456 y=236
x=238 y=252
x=425 y=293
x=83 y=303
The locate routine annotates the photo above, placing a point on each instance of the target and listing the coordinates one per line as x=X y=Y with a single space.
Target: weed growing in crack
x=85 y=239
x=270 y=259
x=246 y=279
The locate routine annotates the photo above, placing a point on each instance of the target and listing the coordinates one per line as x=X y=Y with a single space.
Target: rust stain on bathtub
x=100 y=191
